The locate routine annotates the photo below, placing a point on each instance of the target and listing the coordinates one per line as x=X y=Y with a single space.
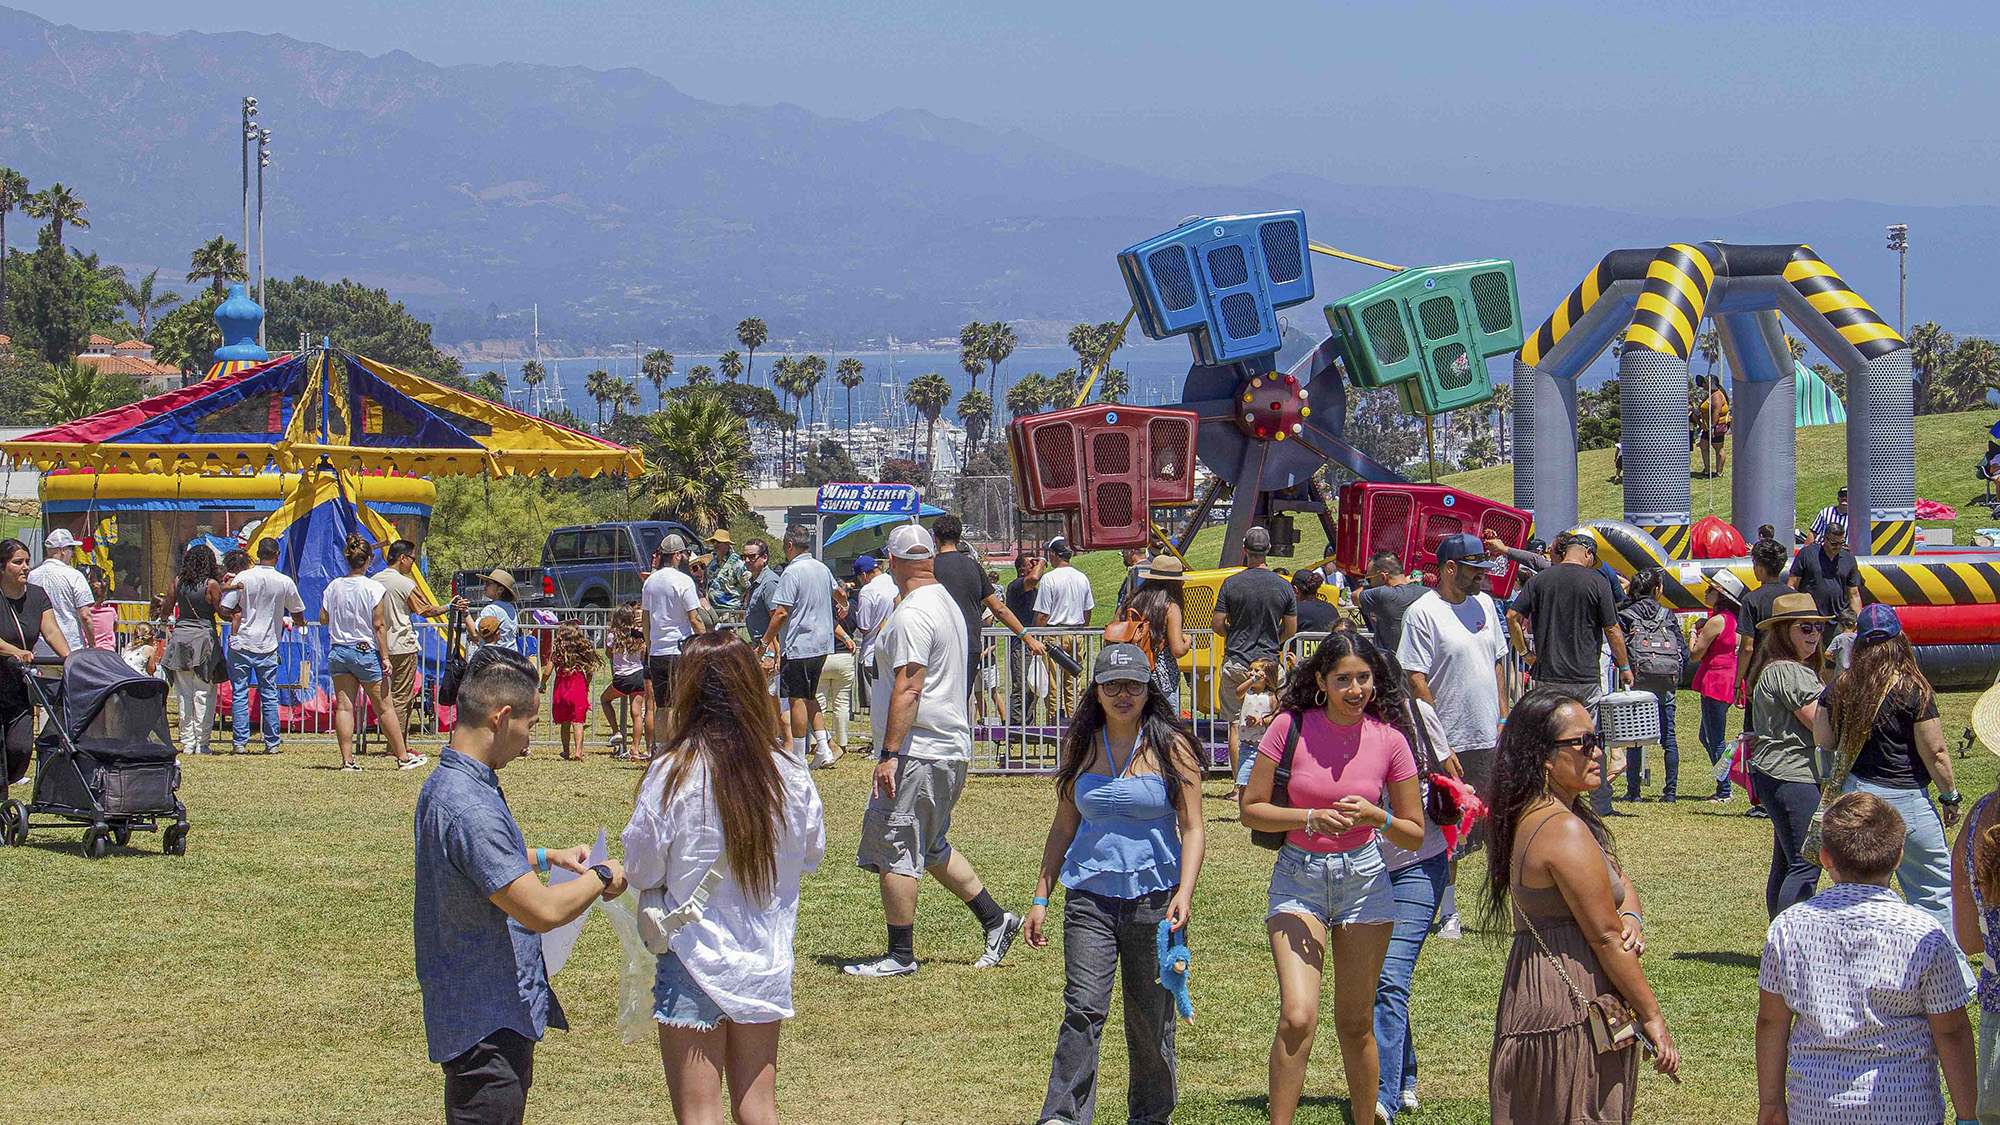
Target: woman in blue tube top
x=1126 y=846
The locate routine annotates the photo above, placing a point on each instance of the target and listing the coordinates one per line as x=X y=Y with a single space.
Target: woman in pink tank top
x=1714 y=653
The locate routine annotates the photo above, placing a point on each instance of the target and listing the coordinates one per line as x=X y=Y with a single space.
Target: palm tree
x=658 y=367
x=141 y=300
x=812 y=372
x=220 y=262
x=698 y=459
x=1000 y=343
x=621 y=393
x=491 y=386
x=1973 y=371
x=975 y=409
x=1113 y=386
x=1709 y=343
x=731 y=363
x=532 y=375
x=59 y=207
x=1930 y=351
x=1061 y=392
x=597 y=385
x=13 y=193
x=1027 y=394
x=1796 y=346
x=929 y=395
x=850 y=373
x=783 y=378
x=700 y=373
x=1503 y=403
x=74 y=390
x=751 y=333
x=972 y=350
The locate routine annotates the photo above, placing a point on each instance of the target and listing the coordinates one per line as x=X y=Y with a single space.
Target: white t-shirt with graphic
x=926 y=629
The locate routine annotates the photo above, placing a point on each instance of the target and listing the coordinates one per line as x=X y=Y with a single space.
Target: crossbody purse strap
x=1520 y=861
x=1281 y=778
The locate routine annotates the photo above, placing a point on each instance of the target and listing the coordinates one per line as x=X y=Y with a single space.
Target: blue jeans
x=1925 y=871
x=1635 y=765
x=1102 y=936
x=1418 y=888
x=246 y=668
x=1715 y=736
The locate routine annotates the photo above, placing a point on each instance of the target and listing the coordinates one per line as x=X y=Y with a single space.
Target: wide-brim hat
x=1165 y=569
x=1791 y=609
x=1726 y=583
x=721 y=535
x=1986 y=719
x=500 y=578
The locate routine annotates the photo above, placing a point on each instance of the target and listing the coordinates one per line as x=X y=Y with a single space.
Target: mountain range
x=629 y=210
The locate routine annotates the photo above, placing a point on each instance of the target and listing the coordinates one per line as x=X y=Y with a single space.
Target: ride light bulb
x=1291 y=380
x=1298 y=428
x=1281 y=435
x=1251 y=419
x=1305 y=411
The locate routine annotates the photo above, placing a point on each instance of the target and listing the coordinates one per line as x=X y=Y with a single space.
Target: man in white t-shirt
x=667 y=612
x=67 y=589
x=924 y=736
x=256 y=610
x=872 y=607
x=1064 y=600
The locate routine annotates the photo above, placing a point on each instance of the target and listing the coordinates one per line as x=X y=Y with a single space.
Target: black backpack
x=1657 y=650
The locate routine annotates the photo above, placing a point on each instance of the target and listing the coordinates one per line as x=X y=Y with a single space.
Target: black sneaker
x=998 y=939
x=1757 y=813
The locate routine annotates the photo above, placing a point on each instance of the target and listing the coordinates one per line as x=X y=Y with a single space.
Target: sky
x=1694 y=108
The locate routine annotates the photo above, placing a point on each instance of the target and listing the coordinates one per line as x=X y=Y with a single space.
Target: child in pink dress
x=570 y=659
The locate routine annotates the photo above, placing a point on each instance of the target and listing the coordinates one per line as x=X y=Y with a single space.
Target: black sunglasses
x=1588 y=743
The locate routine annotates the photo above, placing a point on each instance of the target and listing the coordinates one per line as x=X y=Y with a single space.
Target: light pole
x=1899 y=241
x=249 y=134
x=263 y=162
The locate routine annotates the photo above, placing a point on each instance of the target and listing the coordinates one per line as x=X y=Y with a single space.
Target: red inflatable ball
x=1713 y=538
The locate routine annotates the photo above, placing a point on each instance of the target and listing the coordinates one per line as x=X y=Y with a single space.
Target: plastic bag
x=635 y=981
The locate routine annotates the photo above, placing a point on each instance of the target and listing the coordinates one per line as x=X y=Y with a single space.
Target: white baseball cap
x=59 y=539
x=912 y=541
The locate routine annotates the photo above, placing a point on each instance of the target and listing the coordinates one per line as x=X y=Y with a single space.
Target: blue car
x=601 y=565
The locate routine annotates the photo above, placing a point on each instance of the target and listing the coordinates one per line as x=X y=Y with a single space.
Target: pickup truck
x=594 y=565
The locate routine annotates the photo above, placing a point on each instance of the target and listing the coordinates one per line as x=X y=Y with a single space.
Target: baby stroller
x=103 y=759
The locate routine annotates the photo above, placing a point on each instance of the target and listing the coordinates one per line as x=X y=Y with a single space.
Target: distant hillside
x=628 y=209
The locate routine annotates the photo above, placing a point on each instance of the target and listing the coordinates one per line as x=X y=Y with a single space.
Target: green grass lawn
x=267 y=976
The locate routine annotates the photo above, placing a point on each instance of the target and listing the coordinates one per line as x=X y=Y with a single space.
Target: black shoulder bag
x=1440 y=803
x=1281 y=784
x=454 y=661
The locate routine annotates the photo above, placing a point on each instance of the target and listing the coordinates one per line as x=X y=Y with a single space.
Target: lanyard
x=1119 y=770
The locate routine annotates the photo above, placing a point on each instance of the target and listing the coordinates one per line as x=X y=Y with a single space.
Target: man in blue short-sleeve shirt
x=480 y=910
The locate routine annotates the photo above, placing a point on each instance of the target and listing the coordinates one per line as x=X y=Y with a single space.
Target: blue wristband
x=1039 y=901
x=542 y=860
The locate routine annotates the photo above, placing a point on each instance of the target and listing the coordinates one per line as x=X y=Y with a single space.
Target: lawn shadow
x=1260 y=1104
x=1726 y=960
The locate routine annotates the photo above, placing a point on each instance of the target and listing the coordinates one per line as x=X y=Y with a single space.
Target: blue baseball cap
x=864 y=564
x=1877 y=623
x=1467 y=549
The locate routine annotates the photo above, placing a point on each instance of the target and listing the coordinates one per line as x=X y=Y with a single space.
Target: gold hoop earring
x=1320 y=699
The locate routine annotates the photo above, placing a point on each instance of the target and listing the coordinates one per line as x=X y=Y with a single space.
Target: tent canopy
x=852 y=524
x=323 y=406
x=312 y=528
x=1817 y=404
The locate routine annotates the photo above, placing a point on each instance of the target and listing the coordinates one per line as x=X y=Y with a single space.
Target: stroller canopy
x=94 y=679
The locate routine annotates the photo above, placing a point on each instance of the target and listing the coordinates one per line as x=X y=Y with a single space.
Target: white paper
x=1690 y=573
x=557 y=943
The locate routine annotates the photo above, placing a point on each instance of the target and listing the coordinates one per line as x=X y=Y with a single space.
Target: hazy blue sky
x=1691 y=108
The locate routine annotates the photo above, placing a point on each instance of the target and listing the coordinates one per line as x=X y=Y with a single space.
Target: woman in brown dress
x=1577 y=927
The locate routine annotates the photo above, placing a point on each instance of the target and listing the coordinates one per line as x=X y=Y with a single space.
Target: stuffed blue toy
x=1174 y=962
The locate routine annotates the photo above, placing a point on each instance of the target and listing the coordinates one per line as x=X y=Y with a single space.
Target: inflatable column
x=1763 y=405
x=1553 y=472
x=1653 y=405
x=1523 y=444
x=1882 y=481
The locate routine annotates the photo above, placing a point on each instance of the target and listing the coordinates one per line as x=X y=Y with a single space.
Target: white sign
x=868 y=500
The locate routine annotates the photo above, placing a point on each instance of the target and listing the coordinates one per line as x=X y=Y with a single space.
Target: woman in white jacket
x=725 y=795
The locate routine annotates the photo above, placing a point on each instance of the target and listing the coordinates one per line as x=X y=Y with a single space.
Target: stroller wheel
x=121 y=834
x=14 y=824
x=174 y=841
x=96 y=842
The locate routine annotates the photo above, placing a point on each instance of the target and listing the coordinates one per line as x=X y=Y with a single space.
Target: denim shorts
x=353 y=660
x=1348 y=888
x=678 y=1001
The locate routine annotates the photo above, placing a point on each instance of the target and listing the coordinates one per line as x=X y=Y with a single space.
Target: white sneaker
x=881 y=967
x=1451 y=929
x=351 y=767
x=824 y=757
x=998 y=940
x=1410 y=1101
x=412 y=762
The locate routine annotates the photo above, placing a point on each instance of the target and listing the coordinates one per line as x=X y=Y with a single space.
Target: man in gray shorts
x=924 y=736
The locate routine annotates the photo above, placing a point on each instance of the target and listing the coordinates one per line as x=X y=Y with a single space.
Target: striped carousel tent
x=1818 y=405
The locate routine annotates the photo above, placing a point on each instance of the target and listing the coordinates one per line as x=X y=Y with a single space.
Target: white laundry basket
x=1628 y=718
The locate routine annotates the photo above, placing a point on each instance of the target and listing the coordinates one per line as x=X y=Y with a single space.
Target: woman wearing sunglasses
x=1552 y=877
x=1331 y=901
x=1784 y=771
x=1127 y=846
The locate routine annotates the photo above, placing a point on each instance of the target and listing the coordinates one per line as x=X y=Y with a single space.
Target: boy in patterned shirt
x=1861 y=993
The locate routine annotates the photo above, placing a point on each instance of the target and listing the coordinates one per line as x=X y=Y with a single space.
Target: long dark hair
x=738 y=745
x=1161 y=737
x=198 y=566
x=1882 y=672
x=1772 y=647
x=1150 y=601
x=1388 y=704
x=1520 y=779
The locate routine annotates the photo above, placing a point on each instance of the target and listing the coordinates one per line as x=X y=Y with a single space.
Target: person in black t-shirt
x=1828 y=572
x=1569 y=610
x=26 y=616
x=965 y=580
x=1315 y=616
x=1881 y=718
x=1389 y=595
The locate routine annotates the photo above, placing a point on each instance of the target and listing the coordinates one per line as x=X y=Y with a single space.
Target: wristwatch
x=1951 y=798
x=602 y=872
